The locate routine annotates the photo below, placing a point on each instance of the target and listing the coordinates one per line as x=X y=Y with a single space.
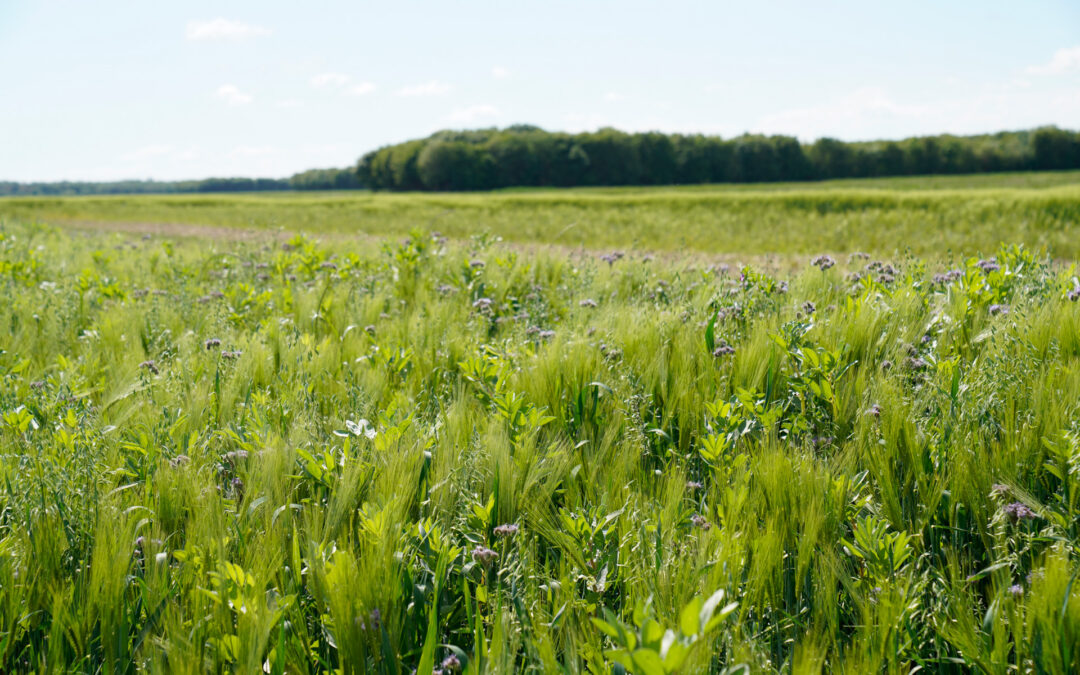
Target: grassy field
x=926 y=216
x=464 y=456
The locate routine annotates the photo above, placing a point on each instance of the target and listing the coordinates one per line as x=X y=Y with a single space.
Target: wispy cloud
x=613 y=96
x=473 y=113
x=1064 y=60
x=289 y=103
x=330 y=80
x=432 y=88
x=224 y=29
x=361 y=88
x=232 y=95
x=500 y=73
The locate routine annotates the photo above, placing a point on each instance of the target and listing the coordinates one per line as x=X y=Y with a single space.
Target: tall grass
x=242 y=457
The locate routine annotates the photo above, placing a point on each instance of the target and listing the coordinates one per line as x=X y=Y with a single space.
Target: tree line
x=313 y=179
x=525 y=155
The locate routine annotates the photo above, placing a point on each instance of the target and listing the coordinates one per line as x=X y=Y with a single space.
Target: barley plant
x=435 y=457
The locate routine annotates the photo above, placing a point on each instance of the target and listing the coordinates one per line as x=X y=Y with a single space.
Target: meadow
x=443 y=451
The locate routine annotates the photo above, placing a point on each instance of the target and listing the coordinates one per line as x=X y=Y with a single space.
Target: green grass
x=222 y=456
x=926 y=216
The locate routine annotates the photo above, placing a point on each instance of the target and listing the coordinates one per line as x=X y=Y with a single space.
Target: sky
x=120 y=89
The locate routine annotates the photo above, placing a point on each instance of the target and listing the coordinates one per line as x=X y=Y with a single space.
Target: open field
x=377 y=456
x=931 y=216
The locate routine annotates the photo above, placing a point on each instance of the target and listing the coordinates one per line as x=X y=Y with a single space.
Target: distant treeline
x=525 y=155
x=314 y=179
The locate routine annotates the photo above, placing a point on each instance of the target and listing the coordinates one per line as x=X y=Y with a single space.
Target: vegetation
x=927 y=216
x=238 y=457
x=528 y=156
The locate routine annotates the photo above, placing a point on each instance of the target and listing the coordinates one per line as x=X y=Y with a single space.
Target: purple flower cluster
x=484 y=555
x=998 y=309
x=506 y=530
x=948 y=277
x=149 y=365
x=211 y=343
x=823 y=262
x=723 y=350
x=1017 y=511
x=587 y=302
x=989 y=265
x=613 y=257
x=701 y=521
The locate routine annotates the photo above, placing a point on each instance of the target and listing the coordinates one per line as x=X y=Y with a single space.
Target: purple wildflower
x=701 y=521
x=723 y=349
x=989 y=265
x=506 y=530
x=588 y=302
x=823 y=262
x=694 y=485
x=451 y=663
x=475 y=264
x=809 y=308
x=1016 y=590
x=211 y=343
x=998 y=309
x=1017 y=511
x=149 y=365
x=484 y=555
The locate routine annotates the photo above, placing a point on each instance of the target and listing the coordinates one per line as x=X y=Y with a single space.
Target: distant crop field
x=930 y=216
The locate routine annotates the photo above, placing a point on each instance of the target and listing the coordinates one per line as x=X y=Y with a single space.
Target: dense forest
x=524 y=155
x=313 y=179
x=528 y=156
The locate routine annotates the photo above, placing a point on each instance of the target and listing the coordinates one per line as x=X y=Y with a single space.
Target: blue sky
x=116 y=89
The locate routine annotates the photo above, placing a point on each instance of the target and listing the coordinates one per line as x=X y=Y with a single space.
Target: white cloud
x=613 y=96
x=361 y=88
x=330 y=80
x=1063 y=61
x=224 y=29
x=473 y=113
x=232 y=95
x=289 y=103
x=500 y=73
x=432 y=88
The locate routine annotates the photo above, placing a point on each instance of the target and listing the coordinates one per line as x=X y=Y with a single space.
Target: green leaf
x=647 y=662
x=689 y=622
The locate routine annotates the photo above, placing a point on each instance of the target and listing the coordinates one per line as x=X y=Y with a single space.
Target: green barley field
x=774 y=429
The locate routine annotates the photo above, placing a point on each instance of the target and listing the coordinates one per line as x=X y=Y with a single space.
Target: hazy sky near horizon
x=117 y=89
